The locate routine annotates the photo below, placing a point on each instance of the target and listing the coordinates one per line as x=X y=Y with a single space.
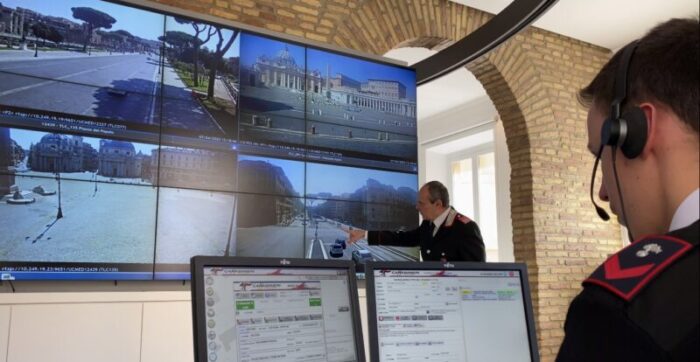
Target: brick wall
x=532 y=80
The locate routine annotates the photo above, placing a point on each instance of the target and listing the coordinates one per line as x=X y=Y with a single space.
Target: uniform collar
x=441 y=219
x=688 y=212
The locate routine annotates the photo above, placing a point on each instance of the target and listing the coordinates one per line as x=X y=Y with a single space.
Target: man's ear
x=651 y=113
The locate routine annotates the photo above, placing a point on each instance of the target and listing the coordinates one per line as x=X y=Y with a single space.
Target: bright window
x=474 y=194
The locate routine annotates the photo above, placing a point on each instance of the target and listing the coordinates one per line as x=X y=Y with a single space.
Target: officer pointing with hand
x=444 y=234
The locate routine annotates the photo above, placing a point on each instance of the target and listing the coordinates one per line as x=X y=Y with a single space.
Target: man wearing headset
x=642 y=303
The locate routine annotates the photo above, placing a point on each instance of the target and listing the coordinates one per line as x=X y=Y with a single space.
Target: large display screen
x=131 y=140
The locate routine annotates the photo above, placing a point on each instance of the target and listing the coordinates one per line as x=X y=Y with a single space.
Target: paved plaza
x=193 y=222
x=276 y=115
x=271 y=241
x=116 y=224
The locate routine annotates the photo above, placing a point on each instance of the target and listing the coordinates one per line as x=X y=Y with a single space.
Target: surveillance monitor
x=275 y=309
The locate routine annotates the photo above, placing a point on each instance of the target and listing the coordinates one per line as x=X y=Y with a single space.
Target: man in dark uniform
x=444 y=234
x=642 y=303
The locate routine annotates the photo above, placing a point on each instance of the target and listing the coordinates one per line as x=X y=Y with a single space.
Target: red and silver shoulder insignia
x=463 y=219
x=628 y=271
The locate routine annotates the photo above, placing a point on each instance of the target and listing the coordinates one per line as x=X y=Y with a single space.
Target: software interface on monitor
x=271 y=314
x=440 y=316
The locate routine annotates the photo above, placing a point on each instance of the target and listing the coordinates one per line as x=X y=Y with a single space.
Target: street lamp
x=58 y=179
x=94 y=176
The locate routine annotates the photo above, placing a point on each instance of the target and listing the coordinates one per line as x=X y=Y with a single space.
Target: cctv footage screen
x=133 y=139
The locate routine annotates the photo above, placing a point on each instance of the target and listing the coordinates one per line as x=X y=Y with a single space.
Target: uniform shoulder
x=631 y=269
x=453 y=217
x=463 y=219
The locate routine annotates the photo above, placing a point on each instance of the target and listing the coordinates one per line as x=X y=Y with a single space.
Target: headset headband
x=621 y=80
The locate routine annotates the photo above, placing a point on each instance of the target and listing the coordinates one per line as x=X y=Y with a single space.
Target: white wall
x=95 y=324
x=5 y=311
x=505 y=222
x=445 y=127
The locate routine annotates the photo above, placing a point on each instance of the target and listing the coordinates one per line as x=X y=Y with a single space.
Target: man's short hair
x=438 y=191
x=664 y=68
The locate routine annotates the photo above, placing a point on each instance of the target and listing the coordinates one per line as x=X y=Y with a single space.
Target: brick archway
x=531 y=79
x=489 y=72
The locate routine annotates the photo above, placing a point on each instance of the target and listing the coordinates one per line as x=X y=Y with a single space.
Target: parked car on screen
x=361 y=256
x=336 y=251
x=341 y=242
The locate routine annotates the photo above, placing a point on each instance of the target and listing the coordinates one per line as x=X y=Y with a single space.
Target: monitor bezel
x=198 y=263
x=441 y=266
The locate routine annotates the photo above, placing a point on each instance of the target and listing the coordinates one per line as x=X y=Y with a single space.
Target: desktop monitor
x=449 y=312
x=275 y=309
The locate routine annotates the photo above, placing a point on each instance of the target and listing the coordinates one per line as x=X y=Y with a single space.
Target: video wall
x=132 y=140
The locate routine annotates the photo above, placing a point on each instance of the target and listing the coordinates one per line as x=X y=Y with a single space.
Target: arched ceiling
x=609 y=24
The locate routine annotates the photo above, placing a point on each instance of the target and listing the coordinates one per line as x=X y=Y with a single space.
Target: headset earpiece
x=610 y=132
x=627 y=131
x=637 y=131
